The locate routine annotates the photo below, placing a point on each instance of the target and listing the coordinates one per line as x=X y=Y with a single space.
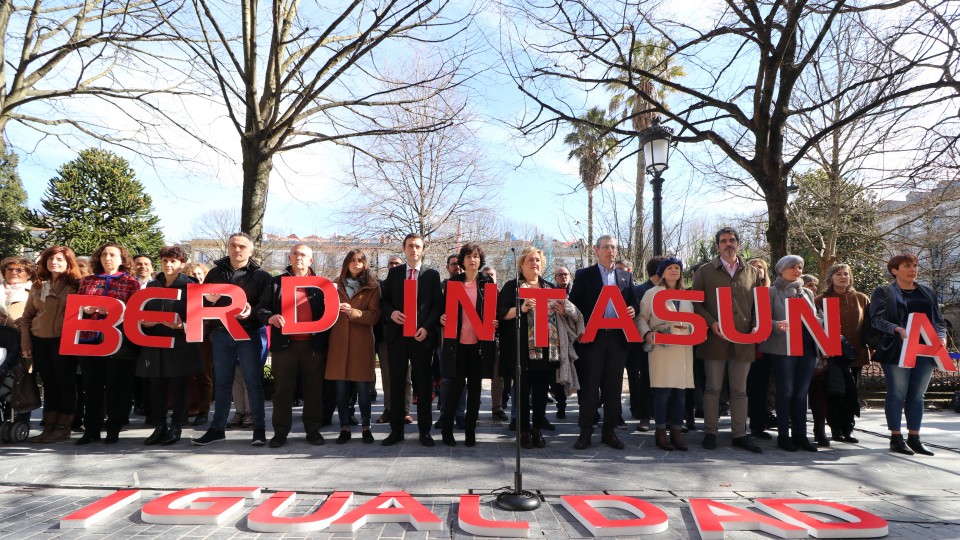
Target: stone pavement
x=919 y=496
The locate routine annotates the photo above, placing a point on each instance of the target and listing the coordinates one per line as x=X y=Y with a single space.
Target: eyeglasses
x=15 y=269
x=558 y=274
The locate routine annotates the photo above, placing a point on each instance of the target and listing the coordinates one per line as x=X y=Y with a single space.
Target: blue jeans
x=668 y=406
x=345 y=390
x=905 y=389
x=226 y=354
x=793 y=375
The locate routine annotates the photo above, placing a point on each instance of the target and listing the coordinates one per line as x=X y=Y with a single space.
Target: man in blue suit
x=606 y=356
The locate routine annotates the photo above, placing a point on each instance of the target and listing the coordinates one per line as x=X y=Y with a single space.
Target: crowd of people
x=765 y=386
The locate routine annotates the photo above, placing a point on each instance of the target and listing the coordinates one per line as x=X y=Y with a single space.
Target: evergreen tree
x=13 y=207
x=95 y=199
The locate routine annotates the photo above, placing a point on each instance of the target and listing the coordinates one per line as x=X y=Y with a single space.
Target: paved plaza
x=919 y=496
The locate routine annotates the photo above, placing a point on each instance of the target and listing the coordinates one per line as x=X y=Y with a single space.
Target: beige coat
x=711 y=276
x=43 y=317
x=350 y=356
x=671 y=366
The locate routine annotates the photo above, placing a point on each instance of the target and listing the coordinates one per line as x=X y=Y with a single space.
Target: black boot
x=913 y=441
x=898 y=445
x=801 y=441
x=820 y=434
x=158 y=434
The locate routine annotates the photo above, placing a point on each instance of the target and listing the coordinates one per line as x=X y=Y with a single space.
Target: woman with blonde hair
x=539 y=364
x=758 y=381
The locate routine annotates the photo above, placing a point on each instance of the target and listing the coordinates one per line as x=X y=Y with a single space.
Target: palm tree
x=646 y=56
x=592 y=143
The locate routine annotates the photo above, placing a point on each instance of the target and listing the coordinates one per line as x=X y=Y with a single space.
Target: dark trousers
x=347 y=391
x=298 y=358
x=200 y=386
x=638 y=381
x=106 y=377
x=467 y=377
x=605 y=359
x=758 y=388
x=534 y=384
x=159 y=386
x=59 y=376
x=402 y=352
x=559 y=395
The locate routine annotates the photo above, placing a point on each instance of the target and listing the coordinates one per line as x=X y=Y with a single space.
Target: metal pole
x=657 y=183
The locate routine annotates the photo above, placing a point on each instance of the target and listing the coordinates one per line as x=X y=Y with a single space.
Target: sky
x=306 y=193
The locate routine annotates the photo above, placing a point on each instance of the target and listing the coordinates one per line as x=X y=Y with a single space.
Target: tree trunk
x=639 y=259
x=589 y=227
x=257 y=166
x=778 y=227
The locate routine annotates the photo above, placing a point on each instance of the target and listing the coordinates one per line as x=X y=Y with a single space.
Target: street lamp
x=655 y=141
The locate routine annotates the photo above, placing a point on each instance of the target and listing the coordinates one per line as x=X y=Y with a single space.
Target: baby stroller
x=15 y=426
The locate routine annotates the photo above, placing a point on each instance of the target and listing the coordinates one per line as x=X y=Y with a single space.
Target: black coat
x=886 y=318
x=588 y=283
x=251 y=279
x=270 y=305
x=488 y=349
x=429 y=303
x=506 y=300
x=184 y=358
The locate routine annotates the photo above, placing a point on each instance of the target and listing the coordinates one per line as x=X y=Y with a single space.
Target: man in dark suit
x=415 y=351
x=606 y=356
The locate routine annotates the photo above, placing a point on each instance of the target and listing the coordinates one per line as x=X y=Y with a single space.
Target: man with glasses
x=605 y=357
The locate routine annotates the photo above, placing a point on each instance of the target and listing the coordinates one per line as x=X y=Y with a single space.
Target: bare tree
x=744 y=62
x=424 y=179
x=55 y=54
x=292 y=77
x=217 y=226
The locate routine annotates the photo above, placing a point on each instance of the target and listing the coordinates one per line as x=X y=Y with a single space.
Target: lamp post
x=655 y=141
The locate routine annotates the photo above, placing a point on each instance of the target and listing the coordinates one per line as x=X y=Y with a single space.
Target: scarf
x=13 y=293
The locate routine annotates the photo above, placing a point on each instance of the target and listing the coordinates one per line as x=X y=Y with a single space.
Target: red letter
x=800 y=315
x=761 y=308
x=265 y=518
x=699 y=334
x=410 y=307
x=96 y=512
x=136 y=314
x=919 y=326
x=541 y=337
x=73 y=324
x=389 y=507
x=651 y=519
x=712 y=518
x=288 y=300
x=198 y=506
x=197 y=312
x=610 y=293
x=470 y=520
x=456 y=297
x=855 y=523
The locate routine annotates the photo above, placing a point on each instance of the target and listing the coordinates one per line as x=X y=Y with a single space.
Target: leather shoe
x=611 y=440
x=447 y=437
x=277 y=441
x=500 y=415
x=761 y=435
x=525 y=440
x=156 y=436
x=392 y=439
x=87 y=438
x=709 y=441
x=747 y=444
x=112 y=437
x=426 y=439
x=172 y=437
x=583 y=442
x=538 y=440
x=200 y=419
x=315 y=438
x=548 y=426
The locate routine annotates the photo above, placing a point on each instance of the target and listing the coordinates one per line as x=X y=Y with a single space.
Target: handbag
x=25 y=394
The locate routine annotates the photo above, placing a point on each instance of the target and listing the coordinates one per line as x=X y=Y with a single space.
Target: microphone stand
x=518 y=500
